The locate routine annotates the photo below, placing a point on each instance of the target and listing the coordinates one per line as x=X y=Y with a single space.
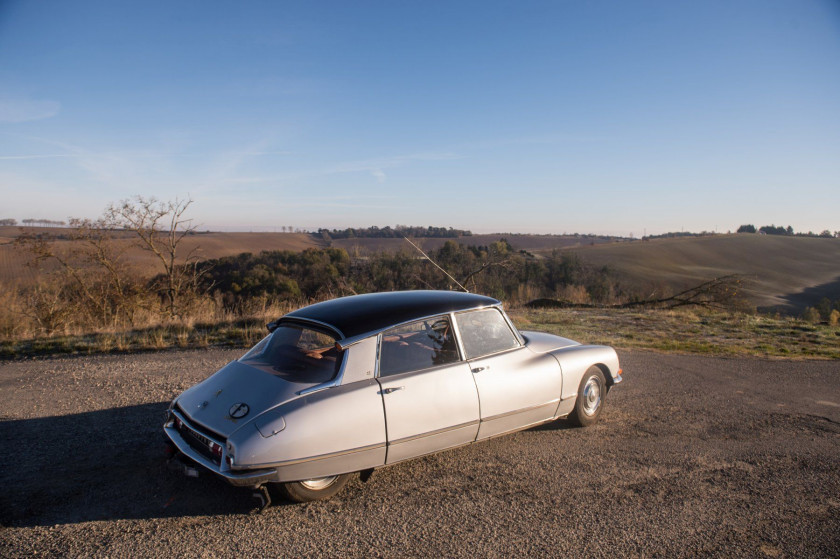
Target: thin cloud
x=391 y=162
x=333 y=205
x=24 y=110
x=544 y=139
x=376 y=168
x=260 y=153
x=39 y=156
x=379 y=174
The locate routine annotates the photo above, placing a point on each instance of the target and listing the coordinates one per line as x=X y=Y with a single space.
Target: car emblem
x=239 y=410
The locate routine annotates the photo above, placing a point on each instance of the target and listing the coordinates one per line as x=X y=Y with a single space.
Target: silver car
x=357 y=383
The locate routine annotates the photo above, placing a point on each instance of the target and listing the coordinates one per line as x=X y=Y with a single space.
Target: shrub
x=824 y=308
x=810 y=314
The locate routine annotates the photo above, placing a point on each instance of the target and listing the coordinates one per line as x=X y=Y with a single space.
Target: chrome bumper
x=250 y=478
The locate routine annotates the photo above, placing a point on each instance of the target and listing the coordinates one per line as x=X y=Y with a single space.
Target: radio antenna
x=436 y=265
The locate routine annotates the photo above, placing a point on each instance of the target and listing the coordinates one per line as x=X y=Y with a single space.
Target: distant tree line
x=496 y=270
x=787 y=231
x=674 y=234
x=32 y=222
x=397 y=232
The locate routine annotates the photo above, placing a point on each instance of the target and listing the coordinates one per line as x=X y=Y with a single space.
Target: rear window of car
x=297 y=354
x=485 y=332
x=419 y=345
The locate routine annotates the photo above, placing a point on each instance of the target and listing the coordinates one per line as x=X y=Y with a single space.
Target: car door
x=428 y=392
x=516 y=386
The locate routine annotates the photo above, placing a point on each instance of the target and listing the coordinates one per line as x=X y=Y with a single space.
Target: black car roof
x=373 y=312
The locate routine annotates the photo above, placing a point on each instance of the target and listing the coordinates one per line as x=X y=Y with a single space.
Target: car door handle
x=389 y=390
x=479 y=369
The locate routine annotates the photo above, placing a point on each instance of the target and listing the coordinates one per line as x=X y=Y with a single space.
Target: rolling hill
x=784 y=273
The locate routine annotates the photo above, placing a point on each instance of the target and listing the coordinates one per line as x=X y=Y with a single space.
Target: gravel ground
x=694 y=456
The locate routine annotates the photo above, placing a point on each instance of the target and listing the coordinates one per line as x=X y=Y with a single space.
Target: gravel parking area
x=694 y=456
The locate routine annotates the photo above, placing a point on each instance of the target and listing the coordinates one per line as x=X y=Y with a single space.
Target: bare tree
x=160 y=228
x=721 y=293
x=48 y=306
x=498 y=255
x=91 y=263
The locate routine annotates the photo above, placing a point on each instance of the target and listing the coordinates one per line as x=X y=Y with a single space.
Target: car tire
x=313 y=489
x=590 y=398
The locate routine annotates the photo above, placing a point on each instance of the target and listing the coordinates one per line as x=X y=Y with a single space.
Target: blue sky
x=547 y=117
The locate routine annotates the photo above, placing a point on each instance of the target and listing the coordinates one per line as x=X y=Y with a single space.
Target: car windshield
x=297 y=354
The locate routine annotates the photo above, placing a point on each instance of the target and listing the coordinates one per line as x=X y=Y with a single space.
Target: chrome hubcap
x=319 y=483
x=591 y=396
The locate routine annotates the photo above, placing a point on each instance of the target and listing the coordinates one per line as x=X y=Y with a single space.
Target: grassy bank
x=690 y=331
x=239 y=333
x=681 y=331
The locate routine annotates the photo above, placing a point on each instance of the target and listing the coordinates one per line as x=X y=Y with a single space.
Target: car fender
x=575 y=361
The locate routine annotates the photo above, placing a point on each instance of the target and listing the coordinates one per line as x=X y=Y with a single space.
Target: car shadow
x=556 y=425
x=107 y=465
x=102 y=465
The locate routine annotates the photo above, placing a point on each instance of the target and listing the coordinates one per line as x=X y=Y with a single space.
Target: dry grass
x=689 y=331
x=680 y=331
x=206 y=327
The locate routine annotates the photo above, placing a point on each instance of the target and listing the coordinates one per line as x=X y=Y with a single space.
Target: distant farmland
x=781 y=272
x=211 y=245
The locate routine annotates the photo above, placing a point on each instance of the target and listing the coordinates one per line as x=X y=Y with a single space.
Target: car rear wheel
x=314 y=489
x=590 y=398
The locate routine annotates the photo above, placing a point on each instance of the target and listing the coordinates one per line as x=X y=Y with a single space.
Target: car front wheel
x=590 y=398
x=314 y=489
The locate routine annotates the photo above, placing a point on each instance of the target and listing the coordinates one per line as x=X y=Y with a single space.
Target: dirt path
x=695 y=455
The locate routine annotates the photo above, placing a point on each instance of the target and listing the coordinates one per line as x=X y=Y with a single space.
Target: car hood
x=540 y=342
x=209 y=402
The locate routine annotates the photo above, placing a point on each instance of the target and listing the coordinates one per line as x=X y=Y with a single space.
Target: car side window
x=484 y=332
x=416 y=346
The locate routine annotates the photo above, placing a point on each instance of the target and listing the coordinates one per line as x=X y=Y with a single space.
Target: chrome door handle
x=479 y=369
x=389 y=390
